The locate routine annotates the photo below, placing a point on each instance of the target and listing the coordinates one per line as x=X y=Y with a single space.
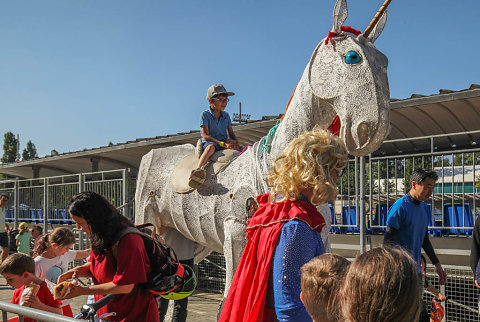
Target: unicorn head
x=346 y=83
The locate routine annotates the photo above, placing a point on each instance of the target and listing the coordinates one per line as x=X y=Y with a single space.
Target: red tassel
x=349 y=29
x=331 y=34
x=334 y=128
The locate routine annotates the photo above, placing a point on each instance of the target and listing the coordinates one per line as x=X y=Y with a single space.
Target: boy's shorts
x=4 y=239
x=217 y=147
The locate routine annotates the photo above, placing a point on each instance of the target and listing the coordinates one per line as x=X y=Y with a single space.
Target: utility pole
x=17 y=159
x=241 y=118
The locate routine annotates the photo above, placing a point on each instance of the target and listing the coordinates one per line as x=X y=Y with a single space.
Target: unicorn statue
x=344 y=84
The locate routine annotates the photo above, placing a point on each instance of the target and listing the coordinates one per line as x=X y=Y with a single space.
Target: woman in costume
x=285 y=231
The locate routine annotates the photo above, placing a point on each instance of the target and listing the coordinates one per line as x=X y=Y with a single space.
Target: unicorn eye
x=352 y=58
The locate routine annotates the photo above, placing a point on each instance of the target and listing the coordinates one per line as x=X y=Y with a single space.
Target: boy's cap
x=217 y=89
x=23 y=225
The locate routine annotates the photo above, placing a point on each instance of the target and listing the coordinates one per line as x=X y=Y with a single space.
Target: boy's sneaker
x=197 y=178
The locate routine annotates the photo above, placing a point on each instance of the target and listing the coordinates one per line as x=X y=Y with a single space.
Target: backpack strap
x=127 y=230
x=165 y=277
x=135 y=230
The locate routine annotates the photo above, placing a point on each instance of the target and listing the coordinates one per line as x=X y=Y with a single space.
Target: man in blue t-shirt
x=217 y=131
x=407 y=221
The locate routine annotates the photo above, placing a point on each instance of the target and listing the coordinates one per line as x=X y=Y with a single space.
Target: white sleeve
x=69 y=256
x=324 y=209
x=39 y=269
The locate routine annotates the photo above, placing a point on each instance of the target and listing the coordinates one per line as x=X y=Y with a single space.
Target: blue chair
x=55 y=217
x=380 y=217
x=349 y=217
x=33 y=216
x=437 y=232
x=9 y=215
x=59 y=218
x=435 y=222
x=458 y=215
x=27 y=216
x=334 y=229
x=50 y=216
x=66 y=218
x=39 y=216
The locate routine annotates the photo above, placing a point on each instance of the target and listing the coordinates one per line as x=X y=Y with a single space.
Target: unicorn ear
x=340 y=13
x=377 y=30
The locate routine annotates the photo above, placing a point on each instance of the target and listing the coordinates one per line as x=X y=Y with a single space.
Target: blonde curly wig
x=307 y=162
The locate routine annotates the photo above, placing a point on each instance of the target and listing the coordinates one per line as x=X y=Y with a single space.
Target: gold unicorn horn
x=376 y=18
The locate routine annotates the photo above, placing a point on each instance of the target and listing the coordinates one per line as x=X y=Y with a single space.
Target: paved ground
x=202 y=306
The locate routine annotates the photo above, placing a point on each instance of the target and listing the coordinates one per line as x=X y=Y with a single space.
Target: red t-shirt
x=131 y=267
x=44 y=295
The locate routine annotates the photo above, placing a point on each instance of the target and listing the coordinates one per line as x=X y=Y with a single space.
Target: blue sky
x=79 y=74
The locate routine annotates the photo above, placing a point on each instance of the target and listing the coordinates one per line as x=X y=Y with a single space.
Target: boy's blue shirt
x=217 y=128
x=411 y=223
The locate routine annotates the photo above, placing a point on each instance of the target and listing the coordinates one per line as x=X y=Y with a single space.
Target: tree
x=346 y=184
x=30 y=152
x=10 y=150
x=54 y=152
x=442 y=160
x=466 y=159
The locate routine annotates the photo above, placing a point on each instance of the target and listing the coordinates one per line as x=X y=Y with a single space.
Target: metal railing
x=453 y=206
x=211 y=273
x=461 y=289
x=43 y=201
x=29 y=312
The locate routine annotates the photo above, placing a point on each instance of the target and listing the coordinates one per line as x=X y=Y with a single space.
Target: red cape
x=246 y=297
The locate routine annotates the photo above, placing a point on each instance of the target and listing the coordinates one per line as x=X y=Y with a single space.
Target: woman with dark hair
x=119 y=274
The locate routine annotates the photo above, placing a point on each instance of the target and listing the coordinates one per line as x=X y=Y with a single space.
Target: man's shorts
x=217 y=147
x=3 y=239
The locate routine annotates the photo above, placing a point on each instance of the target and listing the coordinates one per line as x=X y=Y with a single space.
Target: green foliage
x=54 y=152
x=346 y=184
x=444 y=160
x=387 y=175
x=9 y=148
x=30 y=152
x=467 y=159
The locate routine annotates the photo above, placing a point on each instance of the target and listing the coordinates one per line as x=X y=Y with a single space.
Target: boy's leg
x=5 y=251
x=4 y=245
x=208 y=151
x=198 y=175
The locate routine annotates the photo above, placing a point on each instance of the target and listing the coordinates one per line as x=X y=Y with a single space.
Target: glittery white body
x=214 y=215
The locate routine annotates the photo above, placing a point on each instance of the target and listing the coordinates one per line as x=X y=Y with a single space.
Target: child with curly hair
x=284 y=233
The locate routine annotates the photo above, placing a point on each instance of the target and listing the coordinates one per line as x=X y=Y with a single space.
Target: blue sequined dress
x=296 y=246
